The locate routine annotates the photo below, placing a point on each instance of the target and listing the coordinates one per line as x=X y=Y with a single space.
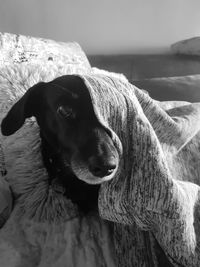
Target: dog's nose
x=102 y=169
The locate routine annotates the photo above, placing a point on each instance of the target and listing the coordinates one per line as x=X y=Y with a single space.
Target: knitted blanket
x=149 y=210
x=157 y=186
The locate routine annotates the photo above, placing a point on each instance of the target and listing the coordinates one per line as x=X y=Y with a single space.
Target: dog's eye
x=66 y=112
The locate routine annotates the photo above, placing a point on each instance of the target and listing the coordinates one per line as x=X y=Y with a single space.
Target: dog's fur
x=74 y=143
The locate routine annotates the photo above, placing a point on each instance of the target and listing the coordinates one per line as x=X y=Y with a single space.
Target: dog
x=76 y=148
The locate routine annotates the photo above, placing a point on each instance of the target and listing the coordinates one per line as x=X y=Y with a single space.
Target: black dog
x=74 y=143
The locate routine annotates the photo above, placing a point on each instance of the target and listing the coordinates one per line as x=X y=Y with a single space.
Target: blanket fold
x=149 y=190
x=152 y=204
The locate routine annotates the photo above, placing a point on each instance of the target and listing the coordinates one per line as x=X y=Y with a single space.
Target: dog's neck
x=50 y=159
x=53 y=162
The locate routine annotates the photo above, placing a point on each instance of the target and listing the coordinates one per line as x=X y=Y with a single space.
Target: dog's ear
x=22 y=109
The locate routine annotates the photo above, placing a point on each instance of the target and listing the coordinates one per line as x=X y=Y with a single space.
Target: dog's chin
x=83 y=173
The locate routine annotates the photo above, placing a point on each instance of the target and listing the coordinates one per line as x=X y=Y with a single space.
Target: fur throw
x=45 y=228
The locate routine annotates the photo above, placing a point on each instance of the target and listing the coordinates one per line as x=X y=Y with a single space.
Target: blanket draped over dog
x=149 y=212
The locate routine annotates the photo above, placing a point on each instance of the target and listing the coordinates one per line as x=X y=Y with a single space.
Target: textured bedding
x=19 y=49
x=150 y=206
x=45 y=228
x=148 y=213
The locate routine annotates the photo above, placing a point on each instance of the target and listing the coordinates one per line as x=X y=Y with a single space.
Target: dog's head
x=64 y=112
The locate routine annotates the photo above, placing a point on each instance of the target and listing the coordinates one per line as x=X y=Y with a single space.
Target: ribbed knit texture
x=152 y=190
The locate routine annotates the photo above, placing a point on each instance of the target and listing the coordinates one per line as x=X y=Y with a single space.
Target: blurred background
x=106 y=26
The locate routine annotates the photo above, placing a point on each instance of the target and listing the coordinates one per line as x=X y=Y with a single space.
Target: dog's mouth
x=84 y=173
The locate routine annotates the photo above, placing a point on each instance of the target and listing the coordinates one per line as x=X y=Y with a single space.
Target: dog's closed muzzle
x=100 y=167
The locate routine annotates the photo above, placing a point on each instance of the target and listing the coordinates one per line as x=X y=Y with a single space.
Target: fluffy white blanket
x=152 y=204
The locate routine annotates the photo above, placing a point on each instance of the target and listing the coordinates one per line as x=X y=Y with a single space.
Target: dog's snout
x=101 y=168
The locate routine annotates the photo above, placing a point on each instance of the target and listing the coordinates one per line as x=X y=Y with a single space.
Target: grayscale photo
x=99 y=133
